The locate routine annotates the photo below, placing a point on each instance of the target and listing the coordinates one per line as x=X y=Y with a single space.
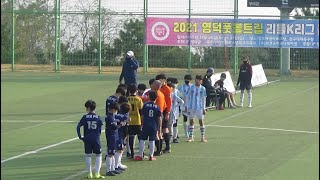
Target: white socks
x=241 y=98
x=141 y=148
x=110 y=163
x=98 y=163
x=116 y=159
x=151 y=147
x=249 y=98
x=186 y=130
x=175 y=132
x=88 y=163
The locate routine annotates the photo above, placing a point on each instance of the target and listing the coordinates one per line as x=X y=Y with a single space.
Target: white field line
x=79 y=173
x=33 y=121
x=40 y=149
x=43 y=123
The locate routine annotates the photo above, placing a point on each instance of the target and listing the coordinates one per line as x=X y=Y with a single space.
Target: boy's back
x=134 y=113
x=151 y=113
x=92 y=124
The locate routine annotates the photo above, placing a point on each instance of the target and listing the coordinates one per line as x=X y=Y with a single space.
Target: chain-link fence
x=55 y=35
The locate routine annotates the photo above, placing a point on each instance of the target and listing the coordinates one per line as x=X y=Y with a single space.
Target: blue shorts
x=111 y=145
x=245 y=85
x=92 y=147
x=151 y=133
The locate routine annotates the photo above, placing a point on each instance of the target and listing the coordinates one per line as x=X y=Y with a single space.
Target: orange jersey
x=167 y=91
x=160 y=101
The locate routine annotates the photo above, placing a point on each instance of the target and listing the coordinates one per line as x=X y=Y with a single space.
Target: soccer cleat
x=89 y=176
x=116 y=172
x=110 y=173
x=190 y=139
x=204 y=140
x=138 y=158
x=232 y=107
x=241 y=105
x=120 y=169
x=152 y=158
x=157 y=153
x=122 y=166
x=175 y=141
x=249 y=106
x=166 y=150
x=98 y=176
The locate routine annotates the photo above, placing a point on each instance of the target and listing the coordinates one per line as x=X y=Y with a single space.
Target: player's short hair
x=132 y=88
x=153 y=95
x=223 y=75
x=188 y=77
x=142 y=87
x=90 y=104
x=151 y=81
x=125 y=107
x=122 y=86
x=122 y=99
x=121 y=91
x=161 y=76
x=199 y=77
x=114 y=106
x=172 y=80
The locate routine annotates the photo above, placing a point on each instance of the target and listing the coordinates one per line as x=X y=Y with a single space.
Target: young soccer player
x=111 y=131
x=151 y=125
x=92 y=124
x=223 y=93
x=141 y=89
x=196 y=99
x=114 y=98
x=135 y=116
x=122 y=118
x=166 y=90
x=145 y=95
x=174 y=114
x=183 y=90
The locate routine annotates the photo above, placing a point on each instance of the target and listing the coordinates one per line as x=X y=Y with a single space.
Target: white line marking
x=34 y=121
x=75 y=175
x=234 y=157
x=262 y=128
x=40 y=149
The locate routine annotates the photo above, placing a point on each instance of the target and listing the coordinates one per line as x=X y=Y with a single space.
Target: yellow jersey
x=134 y=113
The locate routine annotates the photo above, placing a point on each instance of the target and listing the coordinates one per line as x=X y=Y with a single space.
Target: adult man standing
x=129 y=70
x=208 y=85
x=244 y=80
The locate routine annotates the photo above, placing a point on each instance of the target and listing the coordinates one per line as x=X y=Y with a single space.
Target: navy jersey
x=151 y=113
x=92 y=124
x=111 y=125
x=119 y=118
x=245 y=73
x=110 y=100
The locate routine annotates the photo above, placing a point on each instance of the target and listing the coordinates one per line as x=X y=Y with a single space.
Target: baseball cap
x=210 y=70
x=130 y=53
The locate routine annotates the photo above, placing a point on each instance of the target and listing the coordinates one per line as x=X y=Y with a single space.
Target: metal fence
x=63 y=33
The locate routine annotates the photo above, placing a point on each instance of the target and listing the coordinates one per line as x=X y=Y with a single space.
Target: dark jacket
x=206 y=82
x=245 y=73
x=129 y=71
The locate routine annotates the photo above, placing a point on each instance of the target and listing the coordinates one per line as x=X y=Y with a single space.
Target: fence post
x=12 y=35
x=145 y=47
x=57 y=36
x=99 y=8
x=285 y=52
x=189 y=43
x=235 y=49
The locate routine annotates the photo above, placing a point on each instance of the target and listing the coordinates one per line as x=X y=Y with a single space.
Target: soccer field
x=278 y=138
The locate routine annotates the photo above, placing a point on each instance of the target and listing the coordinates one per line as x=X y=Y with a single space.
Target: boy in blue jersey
x=177 y=102
x=183 y=90
x=114 y=98
x=151 y=126
x=92 y=124
x=196 y=104
x=111 y=134
x=122 y=119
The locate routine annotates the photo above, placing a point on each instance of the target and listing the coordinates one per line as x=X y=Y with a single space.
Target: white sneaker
x=249 y=106
x=241 y=105
x=123 y=166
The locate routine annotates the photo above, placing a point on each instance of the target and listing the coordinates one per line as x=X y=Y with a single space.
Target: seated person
x=206 y=82
x=223 y=93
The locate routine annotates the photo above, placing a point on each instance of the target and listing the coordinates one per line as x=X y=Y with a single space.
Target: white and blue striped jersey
x=176 y=103
x=183 y=90
x=196 y=98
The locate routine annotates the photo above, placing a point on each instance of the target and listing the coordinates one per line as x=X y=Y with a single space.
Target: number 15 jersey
x=136 y=106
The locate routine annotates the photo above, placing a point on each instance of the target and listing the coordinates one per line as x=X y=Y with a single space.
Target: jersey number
x=92 y=124
x=150 y=113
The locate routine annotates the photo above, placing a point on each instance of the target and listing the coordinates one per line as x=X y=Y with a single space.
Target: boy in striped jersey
x=196 y=104
x=183 y=90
